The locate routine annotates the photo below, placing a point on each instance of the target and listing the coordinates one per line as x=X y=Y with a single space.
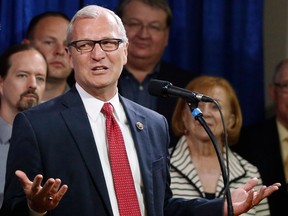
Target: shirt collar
x=154 y=73
x=93 y=105
x=283 y=132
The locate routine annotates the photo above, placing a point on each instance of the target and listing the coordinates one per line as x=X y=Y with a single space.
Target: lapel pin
x=139 y=125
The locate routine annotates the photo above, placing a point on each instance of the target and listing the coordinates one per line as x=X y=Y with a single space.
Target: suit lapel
x=77 y=122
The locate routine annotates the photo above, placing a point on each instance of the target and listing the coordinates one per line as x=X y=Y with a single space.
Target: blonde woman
x=195 y=170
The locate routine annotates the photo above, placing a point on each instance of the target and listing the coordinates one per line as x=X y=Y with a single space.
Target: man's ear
x=126 y=50
x=69 y=57
x=1 y=85
x=272 y=92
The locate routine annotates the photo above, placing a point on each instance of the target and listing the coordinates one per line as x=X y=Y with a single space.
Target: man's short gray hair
x=94 y=11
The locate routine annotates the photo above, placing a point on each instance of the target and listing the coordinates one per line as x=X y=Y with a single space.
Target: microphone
x=161 y=88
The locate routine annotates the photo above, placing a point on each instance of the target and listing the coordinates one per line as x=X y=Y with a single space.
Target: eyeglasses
x=282 y=86
x=153 y=28
x=107 y=45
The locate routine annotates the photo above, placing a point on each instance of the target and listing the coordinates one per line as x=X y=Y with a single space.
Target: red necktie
x=122 y=177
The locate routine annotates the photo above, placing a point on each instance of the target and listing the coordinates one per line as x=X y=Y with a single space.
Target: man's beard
x=24 y=103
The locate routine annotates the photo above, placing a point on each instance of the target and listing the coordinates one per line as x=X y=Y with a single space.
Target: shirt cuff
x=34 y=213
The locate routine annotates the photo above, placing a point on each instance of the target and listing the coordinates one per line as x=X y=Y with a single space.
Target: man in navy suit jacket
x=63 y=140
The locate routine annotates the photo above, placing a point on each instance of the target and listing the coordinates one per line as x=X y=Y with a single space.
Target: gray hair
x=94 y=11
x=278 y=69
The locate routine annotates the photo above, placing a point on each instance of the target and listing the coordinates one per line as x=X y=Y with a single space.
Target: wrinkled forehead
x=28 y=60
x=95 y=29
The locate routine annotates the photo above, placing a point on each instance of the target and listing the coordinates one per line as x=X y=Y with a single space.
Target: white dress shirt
x=283 y=136
x=97 y=120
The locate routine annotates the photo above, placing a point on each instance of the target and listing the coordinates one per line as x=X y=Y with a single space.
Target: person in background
x=47 y=32
x=269 y=141
x=195 y=170
x=22 y=83
x=50 y=146
x=147 y=23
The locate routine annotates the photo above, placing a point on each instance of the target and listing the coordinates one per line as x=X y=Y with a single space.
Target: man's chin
x=56 y=73
x=24 y=105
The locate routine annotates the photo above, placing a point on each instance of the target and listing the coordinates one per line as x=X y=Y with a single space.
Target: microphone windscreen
x=156 y=87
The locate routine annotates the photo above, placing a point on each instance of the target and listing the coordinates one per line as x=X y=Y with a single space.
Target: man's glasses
x=153 y=28
x=282 y=86
x=107 y=45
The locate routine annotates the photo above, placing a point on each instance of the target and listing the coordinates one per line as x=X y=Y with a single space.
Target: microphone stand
x=197 y=114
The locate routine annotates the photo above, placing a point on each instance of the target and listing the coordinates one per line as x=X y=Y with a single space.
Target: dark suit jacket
x=55 y=139
x=165 y=106
x=259 y=144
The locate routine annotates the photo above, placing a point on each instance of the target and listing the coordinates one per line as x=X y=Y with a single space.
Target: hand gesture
x=42 y=198
x=245 y=198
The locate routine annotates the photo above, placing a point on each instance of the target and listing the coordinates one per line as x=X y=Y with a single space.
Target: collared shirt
x=138 y=92
x=5 y=135
x=283 y=136
x=93 y=108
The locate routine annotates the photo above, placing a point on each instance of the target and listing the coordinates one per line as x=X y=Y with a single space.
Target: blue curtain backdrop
x=215 y=37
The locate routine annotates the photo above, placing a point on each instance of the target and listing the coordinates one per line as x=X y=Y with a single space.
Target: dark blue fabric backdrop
x=216 y=37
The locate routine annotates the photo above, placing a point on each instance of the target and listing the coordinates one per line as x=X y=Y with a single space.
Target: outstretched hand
x=245 y=198
x=42 y=198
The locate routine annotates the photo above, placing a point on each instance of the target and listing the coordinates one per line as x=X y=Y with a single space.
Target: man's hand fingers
x=58 y=196
x=250 y=184
x=271 y=189
x=22 y=177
